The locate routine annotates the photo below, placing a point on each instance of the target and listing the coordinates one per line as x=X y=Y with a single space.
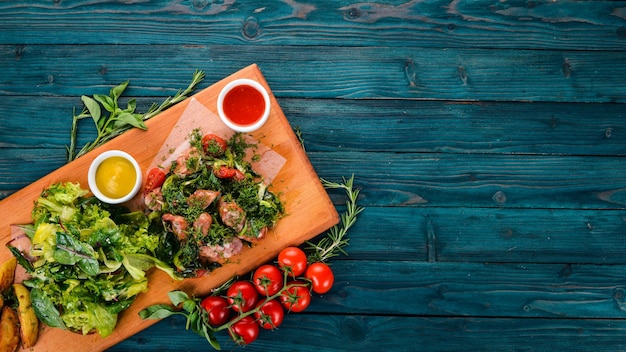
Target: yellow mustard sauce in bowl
x=114 y=177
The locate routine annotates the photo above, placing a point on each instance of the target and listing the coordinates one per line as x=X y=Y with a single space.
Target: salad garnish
x=87 y=261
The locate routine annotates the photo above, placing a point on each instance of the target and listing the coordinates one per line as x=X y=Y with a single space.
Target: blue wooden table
x=488 y=139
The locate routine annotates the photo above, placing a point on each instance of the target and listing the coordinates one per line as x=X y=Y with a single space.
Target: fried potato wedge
x=29 y=324
x=7 y=274
x=9 y=330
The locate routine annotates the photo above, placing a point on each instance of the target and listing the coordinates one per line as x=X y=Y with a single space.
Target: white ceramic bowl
x=93 y=168
x=237 y=127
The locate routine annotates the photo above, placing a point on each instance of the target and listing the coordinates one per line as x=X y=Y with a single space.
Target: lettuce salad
x=88 y=261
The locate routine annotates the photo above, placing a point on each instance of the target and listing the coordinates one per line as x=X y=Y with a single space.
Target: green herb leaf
x=190 y=306
x=114 y=125
x=178 y=297
x=21 y=259
x=125 y=119
x=208 y=334
x=107 y=102
x=131 y=106
x=157 y=311
x=45 y=309
x=335 y=239
x=117 y=91
x=93 y=108
x=70 y=251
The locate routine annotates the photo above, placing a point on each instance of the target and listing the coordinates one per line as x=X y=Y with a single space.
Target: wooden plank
x=374 y=125
x=446 y=179
x=504 y=290
x=481 y=180
x=575 y=25
x=529 y=236
x=327 y=72
x=315 y=332
x=458 y=127
x=309 y=208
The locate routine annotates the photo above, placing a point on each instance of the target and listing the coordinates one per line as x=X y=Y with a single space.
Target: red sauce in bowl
x=244 y=105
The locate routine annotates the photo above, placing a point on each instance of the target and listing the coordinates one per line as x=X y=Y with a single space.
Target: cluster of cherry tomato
x=249 y=305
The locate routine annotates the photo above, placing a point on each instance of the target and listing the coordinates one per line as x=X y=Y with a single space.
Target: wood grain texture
x=482 y=180
x=330 y=72
x=487 y=139
x=309 y=210
x=315 y=332
x=575 y=25
x=373 y=125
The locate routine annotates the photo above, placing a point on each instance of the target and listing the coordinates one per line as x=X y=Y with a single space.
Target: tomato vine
x=293 y=294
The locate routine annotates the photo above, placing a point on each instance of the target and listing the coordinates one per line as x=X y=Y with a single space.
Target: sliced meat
x=220 y=253
x=232 y=215
x=203 y=198
x=154 y=199
x=187 y=163
x=203 y=223
x=178 y=225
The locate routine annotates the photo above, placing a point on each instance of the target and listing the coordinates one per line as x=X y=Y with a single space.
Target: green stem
x=335 y=240
x=257 y=308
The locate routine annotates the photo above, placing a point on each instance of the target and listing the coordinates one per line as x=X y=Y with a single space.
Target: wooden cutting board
x=310 y=211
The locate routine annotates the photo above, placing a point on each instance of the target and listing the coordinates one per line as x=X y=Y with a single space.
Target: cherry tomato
x=296 y=298
x=292 y=260
x=271 y=314
x=155 y=179
x=213 y=145
x=228 y=172
x=217 y=309
x=244 y=331
x=321 y=277
x=242 y=296
x=268 y=280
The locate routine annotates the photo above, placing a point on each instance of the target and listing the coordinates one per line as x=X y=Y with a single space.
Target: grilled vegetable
x=7 y=274
x=29 y=324
x=9 y=330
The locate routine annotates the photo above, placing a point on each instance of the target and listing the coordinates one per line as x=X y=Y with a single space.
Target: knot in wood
x=499 y=197
x=353 y=329
x=251 y=28
x=353 y=13
x=618 y=294
x=200 y=4
x=19 y=52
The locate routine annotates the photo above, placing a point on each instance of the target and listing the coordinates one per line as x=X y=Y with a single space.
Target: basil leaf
x=178 y=297
x=131 y=106
x=118 y=90
x=125 y=118
x=106 y=101
x=208 y=334
x=190 y=306
x=93 y=107
x=157 y=311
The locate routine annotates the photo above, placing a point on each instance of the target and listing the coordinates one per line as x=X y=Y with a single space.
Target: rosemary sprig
x=118 y=120
x=333 y=242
